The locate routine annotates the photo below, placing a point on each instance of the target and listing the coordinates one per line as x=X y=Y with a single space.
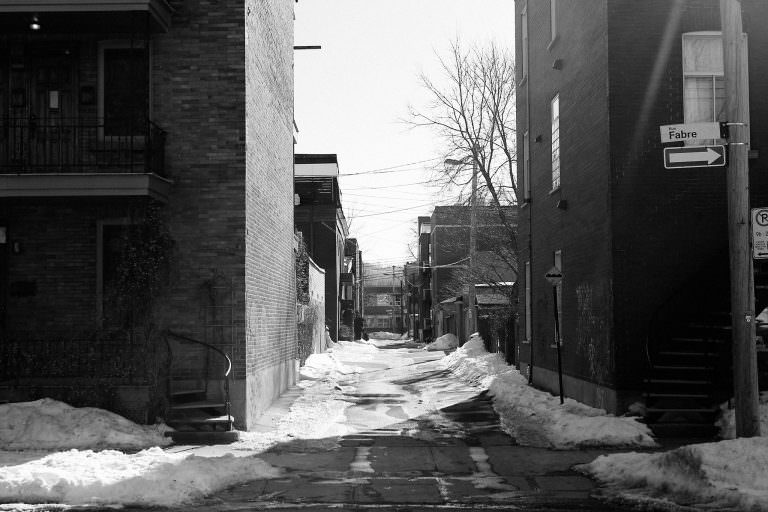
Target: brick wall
x=580 y=227
x=670 y=226
x=269 y=271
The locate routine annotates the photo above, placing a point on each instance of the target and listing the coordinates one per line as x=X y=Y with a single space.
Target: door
x=4 y=250
x=42 y=108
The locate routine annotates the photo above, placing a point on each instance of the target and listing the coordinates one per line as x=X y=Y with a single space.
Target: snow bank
x=536 y=418
x=726 y=423
x=150 y=477
x=51 y=425
x=445 y=342
x=723 y=475
x=321 y=366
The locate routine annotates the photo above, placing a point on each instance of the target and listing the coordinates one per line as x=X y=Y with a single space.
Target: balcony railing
x=79 y=146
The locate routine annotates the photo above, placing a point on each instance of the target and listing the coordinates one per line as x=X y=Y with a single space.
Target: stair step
x=675 y=395
x=684 y=353
x=670 y=367
x=197 y=405
x=678 y=381
x=204 y=438
x=682 y=409
x=183 y=392
x=201 y=420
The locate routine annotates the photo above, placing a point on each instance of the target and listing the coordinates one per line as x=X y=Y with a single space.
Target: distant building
x=384 y=306
x=319 y=216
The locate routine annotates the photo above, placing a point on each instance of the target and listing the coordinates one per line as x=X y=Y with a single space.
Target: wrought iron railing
x=67 y=145
x=226 y=369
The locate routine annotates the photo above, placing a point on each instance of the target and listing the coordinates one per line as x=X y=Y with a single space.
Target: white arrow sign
x=694 y=156
x=708 y=155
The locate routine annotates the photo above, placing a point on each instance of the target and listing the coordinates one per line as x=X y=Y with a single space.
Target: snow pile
x=726 y=423
x=325 y=365
x=724 y=475
x=47 y=424
x=150 y=477
x=536 y=418
x=445 y=342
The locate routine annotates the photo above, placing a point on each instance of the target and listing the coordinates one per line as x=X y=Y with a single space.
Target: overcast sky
x=353 y=95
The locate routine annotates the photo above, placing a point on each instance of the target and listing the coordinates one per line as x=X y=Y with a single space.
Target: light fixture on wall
x=35 y=23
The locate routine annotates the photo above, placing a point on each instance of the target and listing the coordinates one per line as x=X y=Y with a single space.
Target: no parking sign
x=760 y=233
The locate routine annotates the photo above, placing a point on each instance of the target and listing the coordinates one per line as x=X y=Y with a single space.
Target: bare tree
x=472 y=107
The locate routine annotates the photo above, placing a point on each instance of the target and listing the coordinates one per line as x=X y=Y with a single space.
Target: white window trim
x=526 y=166
x=553 y=28
x=528 y=305
x=556 y=182
x=524 y=39
x=112 y=44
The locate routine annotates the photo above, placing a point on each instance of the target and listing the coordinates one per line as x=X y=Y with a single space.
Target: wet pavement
x=452 y=458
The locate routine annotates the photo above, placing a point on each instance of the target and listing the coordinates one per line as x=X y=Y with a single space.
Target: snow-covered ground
x=727 y=475
x=536 y=418
x=131 y=468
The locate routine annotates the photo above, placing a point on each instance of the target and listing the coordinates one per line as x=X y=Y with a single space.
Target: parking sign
x=760 y=233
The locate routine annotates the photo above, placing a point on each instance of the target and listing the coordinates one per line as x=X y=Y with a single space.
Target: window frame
x=553 y=32
x=119 y=44
x=524 y=40
x=554 y=117
x=557 y=260
x=526 y=166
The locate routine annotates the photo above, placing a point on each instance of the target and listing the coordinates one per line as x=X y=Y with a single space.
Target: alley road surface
x=453 y=457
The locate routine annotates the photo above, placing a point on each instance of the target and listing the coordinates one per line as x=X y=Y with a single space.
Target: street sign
x=554 y=276
x=694 y=156
x=689 y=132
x=760 y=233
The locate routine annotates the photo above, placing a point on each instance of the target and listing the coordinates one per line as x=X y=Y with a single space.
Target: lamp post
x=471 y=308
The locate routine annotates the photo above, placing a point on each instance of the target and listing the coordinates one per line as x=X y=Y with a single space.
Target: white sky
x=353 y=95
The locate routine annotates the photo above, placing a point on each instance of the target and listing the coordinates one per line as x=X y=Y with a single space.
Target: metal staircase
x=199 y=399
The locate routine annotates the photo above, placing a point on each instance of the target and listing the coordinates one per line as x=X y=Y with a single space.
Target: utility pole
x=741 y=266
x=392 y=324
x=471 y=309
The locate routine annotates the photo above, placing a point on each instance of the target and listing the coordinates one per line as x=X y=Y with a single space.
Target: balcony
x=73 y=157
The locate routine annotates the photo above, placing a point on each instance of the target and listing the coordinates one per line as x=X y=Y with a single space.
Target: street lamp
x=472 y=308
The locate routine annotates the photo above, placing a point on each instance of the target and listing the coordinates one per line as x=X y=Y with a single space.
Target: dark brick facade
x=222 y=89
x=632 y=234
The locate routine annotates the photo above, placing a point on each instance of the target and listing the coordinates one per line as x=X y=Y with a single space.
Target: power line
x=428 y=182
x=394 y=168
x=391 y=211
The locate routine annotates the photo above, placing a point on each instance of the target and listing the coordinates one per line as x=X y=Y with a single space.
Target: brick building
x=643 y=250
x=320 y=218
x=448 y=252
x=383 y=299
x=168 y=120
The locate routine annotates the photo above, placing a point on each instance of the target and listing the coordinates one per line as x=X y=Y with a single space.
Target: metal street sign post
x=694 y=156
x=555 y=277
x=760 y=233
x=690 y=131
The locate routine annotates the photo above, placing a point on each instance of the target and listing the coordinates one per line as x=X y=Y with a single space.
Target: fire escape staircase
x=199 y=398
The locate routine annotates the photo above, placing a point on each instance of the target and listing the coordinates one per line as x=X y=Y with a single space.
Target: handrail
x=227 y=403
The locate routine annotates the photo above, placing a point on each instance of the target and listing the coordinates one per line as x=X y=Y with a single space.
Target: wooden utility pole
x=742 y=274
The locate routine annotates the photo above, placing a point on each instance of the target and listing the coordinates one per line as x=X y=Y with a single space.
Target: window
x=555 y=110
x=123 y=88
x=397 y=300
x=558 y=260
x=703 y=80
x=524 y=41
x=552 y=20
x=526 y=167
x=528 y=315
